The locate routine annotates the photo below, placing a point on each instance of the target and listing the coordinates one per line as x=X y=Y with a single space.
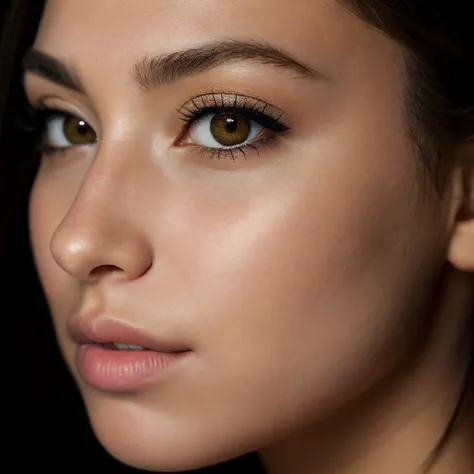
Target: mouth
x=123 y=346
x=108 y=364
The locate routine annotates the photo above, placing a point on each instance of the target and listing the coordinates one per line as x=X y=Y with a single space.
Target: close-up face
x=232 y=186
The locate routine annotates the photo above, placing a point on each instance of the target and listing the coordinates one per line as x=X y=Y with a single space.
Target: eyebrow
x=152 y=72
x=52 y=69
x=165 y=69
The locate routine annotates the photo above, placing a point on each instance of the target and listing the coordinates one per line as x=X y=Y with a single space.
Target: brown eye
x=78 y=132
x=224 y=130
x=64 y=131
x=230 y=129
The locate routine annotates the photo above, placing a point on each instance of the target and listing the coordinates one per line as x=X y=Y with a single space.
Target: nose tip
x=88 y=251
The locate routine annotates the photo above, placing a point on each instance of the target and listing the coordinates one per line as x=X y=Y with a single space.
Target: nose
x=100 y=234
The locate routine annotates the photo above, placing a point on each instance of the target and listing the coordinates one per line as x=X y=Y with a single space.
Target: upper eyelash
x=213 y=102
x=274 y=124
x=30 y=120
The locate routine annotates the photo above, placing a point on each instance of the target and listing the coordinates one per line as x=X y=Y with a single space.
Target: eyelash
x=197 y=108
x=32 y=121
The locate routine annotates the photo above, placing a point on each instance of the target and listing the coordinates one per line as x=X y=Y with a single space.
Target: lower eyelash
x=236 y=152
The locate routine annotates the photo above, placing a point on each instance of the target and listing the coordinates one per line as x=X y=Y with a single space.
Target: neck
x=394 y=427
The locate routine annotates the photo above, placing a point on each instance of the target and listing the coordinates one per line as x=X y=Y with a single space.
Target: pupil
x=231 y=124
x=82 y=128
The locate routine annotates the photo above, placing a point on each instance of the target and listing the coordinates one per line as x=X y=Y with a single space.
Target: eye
x=225 y=125
x=62 y=130
x=224 y=129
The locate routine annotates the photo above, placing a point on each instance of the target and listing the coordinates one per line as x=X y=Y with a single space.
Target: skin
x=302 y=278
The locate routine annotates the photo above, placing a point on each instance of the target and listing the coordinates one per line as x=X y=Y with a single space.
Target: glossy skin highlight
x=302 y=276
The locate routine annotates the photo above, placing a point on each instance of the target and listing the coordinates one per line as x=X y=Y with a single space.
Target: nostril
x=102 y=270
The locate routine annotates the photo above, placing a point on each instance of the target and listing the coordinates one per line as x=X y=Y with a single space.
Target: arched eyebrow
x=152 y=72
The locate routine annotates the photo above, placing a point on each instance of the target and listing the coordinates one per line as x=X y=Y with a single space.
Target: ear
x=461 y=247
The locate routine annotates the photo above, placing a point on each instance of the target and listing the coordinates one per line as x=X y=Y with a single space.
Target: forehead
x=119 y=32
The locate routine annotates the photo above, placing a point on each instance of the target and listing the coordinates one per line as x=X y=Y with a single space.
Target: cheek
x=308 y=285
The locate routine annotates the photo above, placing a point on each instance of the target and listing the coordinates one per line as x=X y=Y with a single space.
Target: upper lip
x=106 y=330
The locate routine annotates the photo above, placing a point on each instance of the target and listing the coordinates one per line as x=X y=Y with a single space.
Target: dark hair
x=437 y=40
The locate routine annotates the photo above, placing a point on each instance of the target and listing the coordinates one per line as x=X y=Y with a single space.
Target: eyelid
x=226 y=100
x=51 y=112
x=81 y=109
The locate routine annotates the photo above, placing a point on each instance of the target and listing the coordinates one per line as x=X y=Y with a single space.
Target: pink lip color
x=119 y=371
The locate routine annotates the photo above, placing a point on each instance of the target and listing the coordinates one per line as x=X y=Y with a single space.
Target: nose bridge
x=99 y=231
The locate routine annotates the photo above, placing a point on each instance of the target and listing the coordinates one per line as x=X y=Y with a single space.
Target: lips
x=110 y=332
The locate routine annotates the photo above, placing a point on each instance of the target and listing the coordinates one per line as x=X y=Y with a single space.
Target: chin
x=156 y=442
x=149 y=456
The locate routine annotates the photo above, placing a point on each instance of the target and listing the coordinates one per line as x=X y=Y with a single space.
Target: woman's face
x=290 y=267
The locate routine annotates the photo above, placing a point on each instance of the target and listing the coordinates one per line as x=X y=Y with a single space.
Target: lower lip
x=119 y=371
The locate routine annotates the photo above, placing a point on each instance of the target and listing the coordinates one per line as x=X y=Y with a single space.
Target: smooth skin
x=321 y=284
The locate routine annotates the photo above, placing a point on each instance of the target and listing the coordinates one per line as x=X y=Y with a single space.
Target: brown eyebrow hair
x=52 y=69
x=152 y=72
x=164 y=69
